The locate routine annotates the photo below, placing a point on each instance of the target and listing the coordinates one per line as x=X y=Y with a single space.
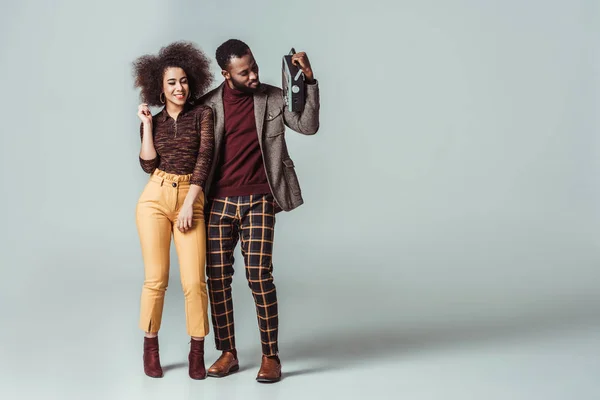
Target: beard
x=243 y=88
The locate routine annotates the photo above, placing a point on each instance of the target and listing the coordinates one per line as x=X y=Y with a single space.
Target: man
x=252 y=178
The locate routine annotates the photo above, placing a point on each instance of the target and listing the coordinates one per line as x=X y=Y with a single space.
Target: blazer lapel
x=260 y=108
x=219 y=116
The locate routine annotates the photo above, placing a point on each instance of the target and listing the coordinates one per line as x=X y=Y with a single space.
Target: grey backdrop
x=453 y=183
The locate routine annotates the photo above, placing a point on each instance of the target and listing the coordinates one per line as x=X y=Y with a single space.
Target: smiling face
x=242 y=73
x=175 y=86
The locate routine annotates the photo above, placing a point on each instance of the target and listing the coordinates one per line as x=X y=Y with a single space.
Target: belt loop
x=162 y=181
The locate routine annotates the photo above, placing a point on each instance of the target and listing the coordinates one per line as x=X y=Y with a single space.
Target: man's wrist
x=309 y=77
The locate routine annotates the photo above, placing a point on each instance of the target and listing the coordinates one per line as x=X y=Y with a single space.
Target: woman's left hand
x=184 y=219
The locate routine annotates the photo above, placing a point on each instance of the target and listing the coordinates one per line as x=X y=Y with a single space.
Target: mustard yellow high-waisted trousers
x=156 y=217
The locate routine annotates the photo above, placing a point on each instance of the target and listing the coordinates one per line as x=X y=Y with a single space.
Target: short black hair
x=149 y=70
x=230 y=49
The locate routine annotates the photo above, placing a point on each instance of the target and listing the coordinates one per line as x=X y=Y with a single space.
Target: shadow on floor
x=336 y=351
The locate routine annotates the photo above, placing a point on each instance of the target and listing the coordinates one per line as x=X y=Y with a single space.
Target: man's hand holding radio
x=301 y=61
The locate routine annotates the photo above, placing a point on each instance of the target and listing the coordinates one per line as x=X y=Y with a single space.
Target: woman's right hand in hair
x=145 y=114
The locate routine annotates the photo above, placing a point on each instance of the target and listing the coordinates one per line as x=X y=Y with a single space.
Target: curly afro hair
x=149 y=70
x=230 y=49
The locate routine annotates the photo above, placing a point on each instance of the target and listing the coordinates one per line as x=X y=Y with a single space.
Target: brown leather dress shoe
x=270 y=370
x=225 y=365
x=196 y=359
x=152 y=366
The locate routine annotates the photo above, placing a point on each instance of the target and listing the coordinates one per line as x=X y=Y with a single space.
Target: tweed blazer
x=271 y=116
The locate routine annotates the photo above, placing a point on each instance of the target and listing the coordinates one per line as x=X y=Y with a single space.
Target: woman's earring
x=161 y=98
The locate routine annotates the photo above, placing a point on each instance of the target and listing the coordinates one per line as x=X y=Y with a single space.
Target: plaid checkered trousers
x=252 y=220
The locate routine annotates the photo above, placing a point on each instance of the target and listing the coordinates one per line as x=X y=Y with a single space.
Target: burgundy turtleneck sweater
x=242 y=171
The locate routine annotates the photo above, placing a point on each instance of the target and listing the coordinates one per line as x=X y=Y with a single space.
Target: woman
x=177 y=150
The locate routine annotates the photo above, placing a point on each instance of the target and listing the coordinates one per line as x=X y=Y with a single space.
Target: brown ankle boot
x=152 y=366
x=270 y=370
x=225 y=365
x=196 y=359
